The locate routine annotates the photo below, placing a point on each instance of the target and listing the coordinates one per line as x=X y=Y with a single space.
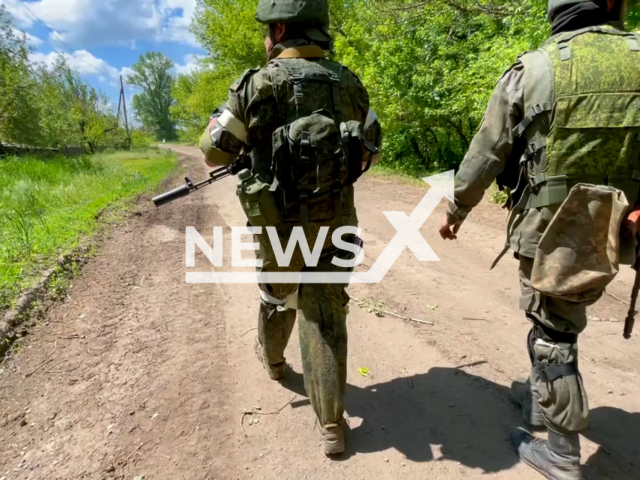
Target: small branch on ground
x=619 y=299
x=46 y=360
x=255 y=411
x=378 y=308
x=72 y=337
x=250 y=330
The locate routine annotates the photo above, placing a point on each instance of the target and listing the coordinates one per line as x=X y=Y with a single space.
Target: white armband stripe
x=232 y=125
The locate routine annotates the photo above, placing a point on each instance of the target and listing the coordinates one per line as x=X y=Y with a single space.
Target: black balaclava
x=582 y=15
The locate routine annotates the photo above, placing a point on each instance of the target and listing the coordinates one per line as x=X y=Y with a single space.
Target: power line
x=53 y=32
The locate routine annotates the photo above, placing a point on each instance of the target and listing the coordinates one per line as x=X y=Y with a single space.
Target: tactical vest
x=582 y=115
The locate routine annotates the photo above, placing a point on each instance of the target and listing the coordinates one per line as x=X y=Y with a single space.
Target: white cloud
x=82 y=62
x=192 y=63
x=31 y=39
x=19 y=12
x=114 y=22
x=126 y=72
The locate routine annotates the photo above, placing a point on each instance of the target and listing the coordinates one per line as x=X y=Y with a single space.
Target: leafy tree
x=230 y=33
x=49 y=105
x=152 y=73
x=18 y=114
x=430 y=66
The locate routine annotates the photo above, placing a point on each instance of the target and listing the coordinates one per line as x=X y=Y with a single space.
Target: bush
x=141 y=139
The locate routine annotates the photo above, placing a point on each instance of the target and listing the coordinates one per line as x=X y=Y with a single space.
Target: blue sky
x=103 y=38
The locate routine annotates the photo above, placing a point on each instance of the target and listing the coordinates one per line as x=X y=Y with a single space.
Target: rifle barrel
x=214 y=176
x=185 y=190
x=168 y=197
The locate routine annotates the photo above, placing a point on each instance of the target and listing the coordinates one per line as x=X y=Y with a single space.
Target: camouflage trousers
x=322 y=316
x=553 y=350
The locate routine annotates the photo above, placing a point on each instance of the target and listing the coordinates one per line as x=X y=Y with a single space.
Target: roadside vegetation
x=49 y=207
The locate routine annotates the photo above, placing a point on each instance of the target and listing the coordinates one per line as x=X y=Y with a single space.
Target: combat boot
x=276 y=372
x=526 y=399
x=556 y=459
x=333 y=438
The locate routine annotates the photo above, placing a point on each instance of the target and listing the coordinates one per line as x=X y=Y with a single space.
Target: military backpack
x=320 y=151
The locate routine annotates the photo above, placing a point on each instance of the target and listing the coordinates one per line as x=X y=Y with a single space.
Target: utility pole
x=119 y=108
x=123 y=102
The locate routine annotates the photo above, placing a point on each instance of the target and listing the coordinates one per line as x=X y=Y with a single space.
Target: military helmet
x=314 y=12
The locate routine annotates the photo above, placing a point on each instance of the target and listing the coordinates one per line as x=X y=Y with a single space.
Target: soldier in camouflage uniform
x=297 y=81
x=568 y=113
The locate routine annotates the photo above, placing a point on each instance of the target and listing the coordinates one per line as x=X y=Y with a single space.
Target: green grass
x=497 y=196
x=49 y=207
x=396 y=175
x=177 y=143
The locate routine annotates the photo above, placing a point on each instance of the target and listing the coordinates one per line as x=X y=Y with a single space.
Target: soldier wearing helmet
x=564 y=119
x=307 y=121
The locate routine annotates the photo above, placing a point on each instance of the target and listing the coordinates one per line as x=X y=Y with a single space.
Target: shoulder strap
x=337 y=101
x=563 y=40
x=539 y=87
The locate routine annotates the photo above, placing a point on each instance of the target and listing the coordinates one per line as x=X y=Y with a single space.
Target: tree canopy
x=152 y=74
x=430 y=65
x=49 y=105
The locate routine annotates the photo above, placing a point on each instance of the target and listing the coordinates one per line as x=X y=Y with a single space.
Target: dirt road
x=148 y=377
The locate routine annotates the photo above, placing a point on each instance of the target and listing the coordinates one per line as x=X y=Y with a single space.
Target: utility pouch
x=579 y=253
x=358 y=151
x=257 y=201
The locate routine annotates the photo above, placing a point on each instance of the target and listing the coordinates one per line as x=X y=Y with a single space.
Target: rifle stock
x=631 y=226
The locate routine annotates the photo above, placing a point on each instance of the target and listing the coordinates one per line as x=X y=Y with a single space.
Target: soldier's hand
x=447 y=231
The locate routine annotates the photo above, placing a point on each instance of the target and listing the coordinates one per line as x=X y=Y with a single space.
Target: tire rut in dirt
x=138 y=384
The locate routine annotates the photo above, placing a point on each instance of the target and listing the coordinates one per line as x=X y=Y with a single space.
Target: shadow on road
x=468 y=419
x=465 y=418
x=618 y=433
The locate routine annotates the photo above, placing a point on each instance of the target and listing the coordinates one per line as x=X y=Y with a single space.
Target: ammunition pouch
x=257 y=201
x=358 y=151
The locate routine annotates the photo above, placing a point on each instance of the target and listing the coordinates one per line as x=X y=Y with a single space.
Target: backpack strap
x=534 y=111
x=337 y=102
x=306 y=152
x=295 y=77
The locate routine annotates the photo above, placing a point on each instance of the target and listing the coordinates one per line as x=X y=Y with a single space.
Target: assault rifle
x=632 y=225
x=216 y=175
